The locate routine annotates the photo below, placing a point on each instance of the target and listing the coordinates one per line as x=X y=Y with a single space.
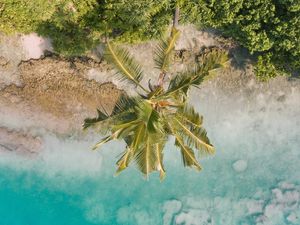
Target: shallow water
x=253 y=179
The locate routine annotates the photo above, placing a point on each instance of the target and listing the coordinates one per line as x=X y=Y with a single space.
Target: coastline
x=55 y=94
x=254 y=126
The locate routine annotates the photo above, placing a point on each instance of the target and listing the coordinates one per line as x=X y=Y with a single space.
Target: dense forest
x=269 y=29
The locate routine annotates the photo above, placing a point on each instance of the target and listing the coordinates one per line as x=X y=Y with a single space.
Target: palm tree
x=146 y=121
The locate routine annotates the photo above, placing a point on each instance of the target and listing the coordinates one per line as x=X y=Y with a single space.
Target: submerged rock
x=240 y=165
x=16 y=141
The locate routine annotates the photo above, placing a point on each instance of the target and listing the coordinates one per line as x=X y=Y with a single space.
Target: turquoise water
x=253 y=179
x=218 y=195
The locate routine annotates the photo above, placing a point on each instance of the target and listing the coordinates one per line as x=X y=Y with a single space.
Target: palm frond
x=149 y=157
x=125 y=160
x=125 y=103
x=103 y=141
x=145 y=157
x=179 y=85
x=196 y=74
x=159 y=146
x=88 y=122
x=153 y=124
x=127 y=68
x=189 y=116
x=124 y=129
x=192 y=76
x=119 y=131
x=187 y=153
x=150 y=116
x=164 y=51
x=123 y=111
x=212 y=60
x=138 y=137
x=194 y=137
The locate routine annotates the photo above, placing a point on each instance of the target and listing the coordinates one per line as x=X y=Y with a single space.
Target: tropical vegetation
x=76 y=26
x=145 y=122
x=269 y=29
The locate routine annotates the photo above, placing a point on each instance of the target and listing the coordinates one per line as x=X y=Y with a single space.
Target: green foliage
x=24 y=16
x=126 y=66
x=269 y=27
x=76 y=25
x=73 y=27
x=145 y=122
x=135 y=20
x=264 y=68
x=164 y=50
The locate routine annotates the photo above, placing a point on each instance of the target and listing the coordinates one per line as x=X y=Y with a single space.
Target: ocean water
x=253 y=179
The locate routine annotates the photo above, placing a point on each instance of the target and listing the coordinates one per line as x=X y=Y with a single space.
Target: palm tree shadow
x=239 y=55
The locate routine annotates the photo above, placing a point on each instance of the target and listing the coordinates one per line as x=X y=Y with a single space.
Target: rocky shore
x=43 y=91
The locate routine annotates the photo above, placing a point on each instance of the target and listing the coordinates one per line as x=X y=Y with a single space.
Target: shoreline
x=55 y=94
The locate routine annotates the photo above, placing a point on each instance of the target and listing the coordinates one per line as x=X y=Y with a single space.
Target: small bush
x=264 y=68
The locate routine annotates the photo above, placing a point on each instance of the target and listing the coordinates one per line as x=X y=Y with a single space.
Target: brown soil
x=58 y=87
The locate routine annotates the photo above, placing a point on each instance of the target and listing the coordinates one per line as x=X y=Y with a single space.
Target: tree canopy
x=269 y=29
x=77 y=25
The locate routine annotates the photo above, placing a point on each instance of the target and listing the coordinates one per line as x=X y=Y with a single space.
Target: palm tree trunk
x=176 y=17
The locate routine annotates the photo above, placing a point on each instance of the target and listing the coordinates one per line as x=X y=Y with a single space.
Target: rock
x=10 y=57
x=171 y=208
x=19 y=142
x=240 y=165
x=292 y=218
x=4 y=62
x=34 y=46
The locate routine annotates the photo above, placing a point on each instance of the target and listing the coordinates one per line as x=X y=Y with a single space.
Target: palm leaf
x=102 y=125
x=138 y=137
x=195 y=74
x=125 y=103
x=164 y=50
x=88 y=122
x=196 y=137
x=212 y=60
x=124 y=161
x=179 y=85
x=159 y=159
x=153 y=124
x=126 y=67
x=119 y=131
x=124 y=129
x=103 y=141
x=150 y=116
x=188 y=155
x=123 y=111
x=145 y=157
x=189 y=116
